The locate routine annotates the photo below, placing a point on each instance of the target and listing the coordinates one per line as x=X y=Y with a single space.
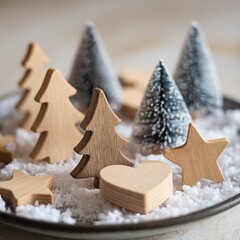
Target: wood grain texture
x=5 y=155
x=198 y=157
x=56 y=120
x=31 y=82
x=23 y=189
x=101 y=144
x=139 y=189
x=134 y=82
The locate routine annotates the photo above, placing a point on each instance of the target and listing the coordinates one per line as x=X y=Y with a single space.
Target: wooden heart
x=139 y=189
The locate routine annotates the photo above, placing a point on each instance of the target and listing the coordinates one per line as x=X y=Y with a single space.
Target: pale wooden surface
x=101 y=145
x=135 y=78
x=198 y=157
x=33 y=62
x=134 y=82
x=23 y=189
x=56 y=120
x=139 y=189
x=5 y=155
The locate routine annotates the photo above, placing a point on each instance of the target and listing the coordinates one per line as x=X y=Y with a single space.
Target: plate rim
x=27 y=223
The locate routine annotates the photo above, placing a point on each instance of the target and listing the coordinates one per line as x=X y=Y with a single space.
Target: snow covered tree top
x=92 y=68
x=163 y=118
x=196 y=76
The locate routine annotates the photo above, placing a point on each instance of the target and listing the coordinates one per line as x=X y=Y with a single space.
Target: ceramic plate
x=208 y=220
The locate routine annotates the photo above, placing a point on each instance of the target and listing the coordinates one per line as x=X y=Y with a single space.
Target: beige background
x=136 y=33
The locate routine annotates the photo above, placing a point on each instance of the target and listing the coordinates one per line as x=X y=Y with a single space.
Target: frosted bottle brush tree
x=92 y=68
x=196 y=76
x=163 y=118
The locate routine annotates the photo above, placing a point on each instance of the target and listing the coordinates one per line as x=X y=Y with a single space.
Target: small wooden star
x=198 y=157
x=23 y=189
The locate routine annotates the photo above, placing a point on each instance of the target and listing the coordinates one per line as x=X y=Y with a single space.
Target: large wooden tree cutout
x=101 y=145
x=31 y=82
x=56 y=120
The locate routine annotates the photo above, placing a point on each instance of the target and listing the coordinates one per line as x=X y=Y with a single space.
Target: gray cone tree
x=92 y=68
x=196 y=76
x=163 y=118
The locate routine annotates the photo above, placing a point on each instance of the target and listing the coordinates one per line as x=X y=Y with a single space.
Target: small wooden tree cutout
x=198 y=157
x=34 y=62
x=101 y=145
x=23 y=189
x=56 y=120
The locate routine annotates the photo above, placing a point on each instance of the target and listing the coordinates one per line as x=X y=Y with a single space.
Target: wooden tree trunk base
x=128 y=111
x=156 y=151
x=96 y=182
x=146 y=152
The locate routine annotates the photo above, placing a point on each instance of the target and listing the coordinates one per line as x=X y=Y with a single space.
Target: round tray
x=209 y=223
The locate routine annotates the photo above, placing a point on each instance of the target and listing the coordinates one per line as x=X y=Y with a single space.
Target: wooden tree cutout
x=23 y=189
x=56 y=120
x=34 y=62
x=101 y=145
x=5 y=155
x=198 y=157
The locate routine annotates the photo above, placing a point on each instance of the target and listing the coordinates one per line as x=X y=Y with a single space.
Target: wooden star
x=23 y=189
x=198 y=157
x=5 y=155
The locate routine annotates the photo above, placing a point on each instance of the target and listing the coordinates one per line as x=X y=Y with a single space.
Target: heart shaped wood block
x=139 y=189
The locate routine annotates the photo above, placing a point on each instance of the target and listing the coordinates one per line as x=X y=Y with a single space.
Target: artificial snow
x=77 y=201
